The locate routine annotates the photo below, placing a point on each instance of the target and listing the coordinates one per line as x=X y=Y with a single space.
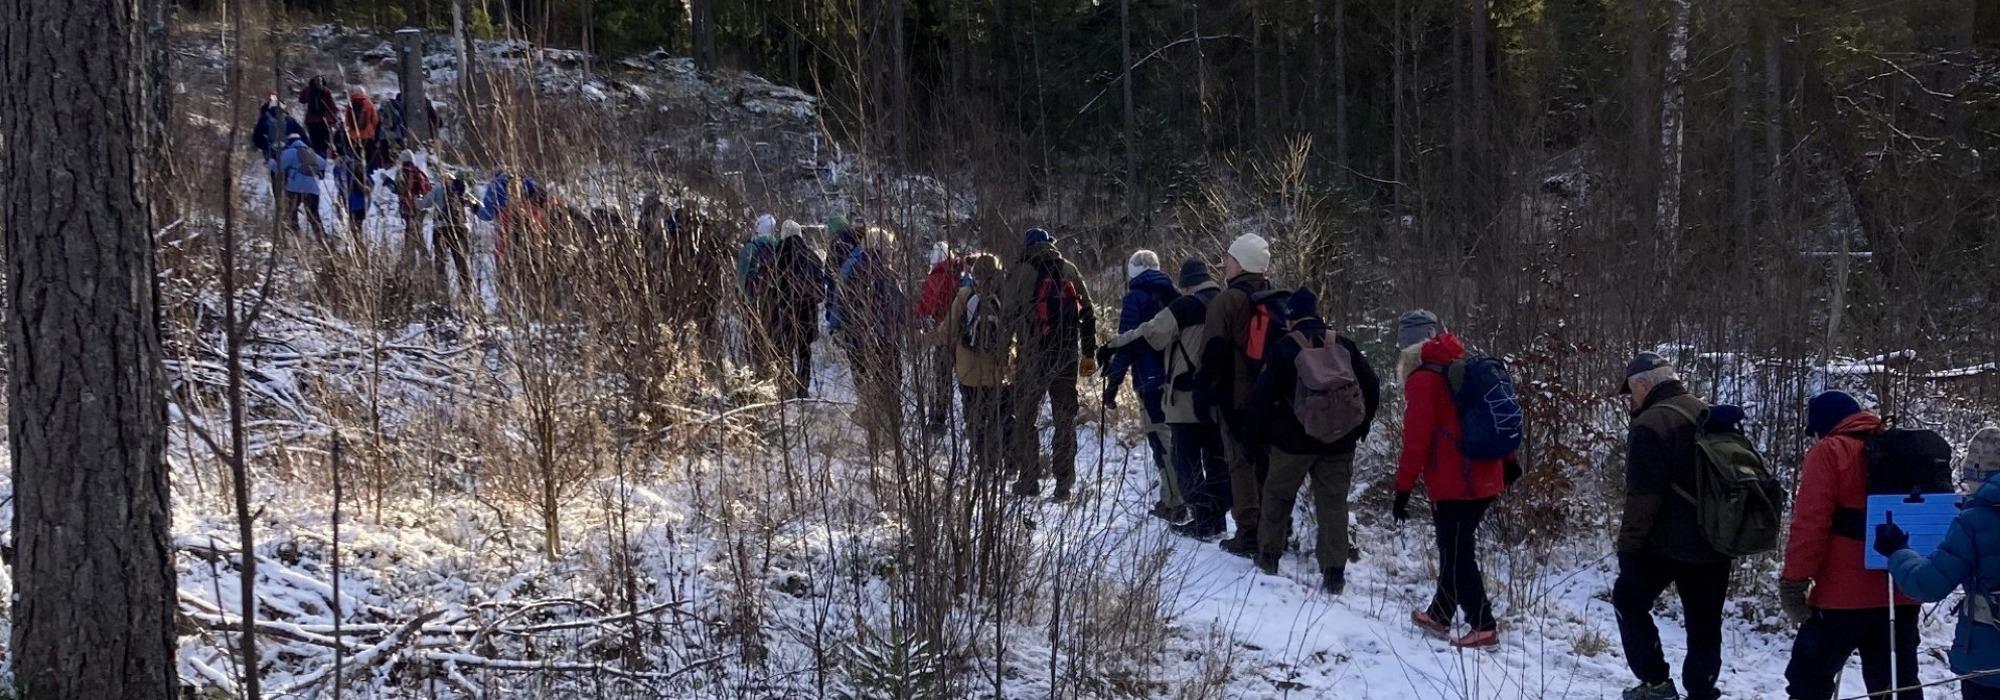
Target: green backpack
x=1735 y=498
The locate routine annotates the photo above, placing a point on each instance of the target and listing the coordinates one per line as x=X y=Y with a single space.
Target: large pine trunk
x=93 y=567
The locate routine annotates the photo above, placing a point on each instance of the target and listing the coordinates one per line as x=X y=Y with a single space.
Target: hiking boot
x=1027 y=489
x=1477 y=639
x=1652 y=691
x=1197 y=529
x=1164 y=512
x=1267 y=563
x=1061 y=494
x=1333 y=581
x=1240 y=546
x=1423 y=620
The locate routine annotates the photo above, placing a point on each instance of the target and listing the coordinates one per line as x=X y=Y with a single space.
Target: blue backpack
x=1489 y=414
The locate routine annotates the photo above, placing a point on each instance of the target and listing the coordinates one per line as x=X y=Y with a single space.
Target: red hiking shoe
x=1423 y=620
x=1477 y=639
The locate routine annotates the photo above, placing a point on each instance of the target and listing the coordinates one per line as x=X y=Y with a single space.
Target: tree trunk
x=93 y=566
x=1340 y=152
x=1673 y=99
x=1396 y=115
x=701 y=21
x=1132 y=193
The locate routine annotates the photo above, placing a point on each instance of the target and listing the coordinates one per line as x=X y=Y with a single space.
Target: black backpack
x=1901 y=462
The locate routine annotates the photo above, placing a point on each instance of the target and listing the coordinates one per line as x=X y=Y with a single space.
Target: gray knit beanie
x=1416 y=327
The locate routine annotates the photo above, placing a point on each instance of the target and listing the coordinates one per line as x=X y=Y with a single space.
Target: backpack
x=980 y=330
x=1326 y=397
x=1267 y=322
x=1733 y=491
x=754 y=259
x=1057 y=303
x=1489 y=413
x=1901 y=462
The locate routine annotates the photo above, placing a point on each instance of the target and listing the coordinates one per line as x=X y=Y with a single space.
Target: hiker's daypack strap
x=1697 y=472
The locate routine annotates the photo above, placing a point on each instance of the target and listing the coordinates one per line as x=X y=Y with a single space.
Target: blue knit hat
x=1825 y=411
x=1193 y=273
x=1037 y=235
x=1303 y=304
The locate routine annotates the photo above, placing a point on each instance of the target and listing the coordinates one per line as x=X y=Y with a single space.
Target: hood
x=1153 y=282
x=1987 y=493
x=1443 y=349
x=1858 y=425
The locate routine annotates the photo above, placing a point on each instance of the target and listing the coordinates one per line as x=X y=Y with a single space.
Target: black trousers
x=1830 y=636
x=1642 y=577
x=1202 y=472
x=1460 y=585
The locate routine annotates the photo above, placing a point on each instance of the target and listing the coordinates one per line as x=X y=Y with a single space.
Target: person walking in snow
x=1460 y=489
x=363 y=129
x=1969 y=559
x=933 y=300
x=1839 y=605
x=1052 y=322
x=789 y=304
x=451 y=237
x=869 y=320
x=413 y=186
x=1176 y=333
x=973 y=331
x=1314 y=384
x=1660 y=541
x=352 y=182
x=322 y=114
x=301 y=168
x=1148 y=291
x=273 y=124
x=1231 y=355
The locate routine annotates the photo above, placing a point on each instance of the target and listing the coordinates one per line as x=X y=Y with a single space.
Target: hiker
x=1313 y=403
x=789 y=303
x=1660 y=542
x=395 y=129
x=972 y=329
x=273 y=123
x=841 y=241
x=301 y=167
x=868 y=323
x=363 y=128
x=321 y=115
x=1050 y=316
x=933 y=300
x=756 y=252
x=452 y=236
x=1461 y=489
x=515 y=208
x=1148 y=291
x=1231 y=355
x=351 y=180
x=1969 y=557
x=1199 y=467
x=412 y=188
x=1847 y=608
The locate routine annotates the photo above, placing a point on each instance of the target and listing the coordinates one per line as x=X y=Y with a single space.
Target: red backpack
x=1267 y=322
x=1057 y=303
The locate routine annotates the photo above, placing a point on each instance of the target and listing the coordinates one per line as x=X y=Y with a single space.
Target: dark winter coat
x=1145 y=297
x=1431 y=434
x=1835 y=476
x=1227 y=374
x=1661 y=454
x=1272 y=420
x=792 y=291
x=268 y=119
x=866 y=312
x=1969 y=557
x=1176 y=334
x=1018 y=292
x=320 y=107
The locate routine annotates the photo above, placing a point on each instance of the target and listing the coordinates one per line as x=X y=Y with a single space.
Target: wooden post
x=416 y=107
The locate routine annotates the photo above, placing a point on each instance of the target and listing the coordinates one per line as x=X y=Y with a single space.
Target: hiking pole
x=1894 y=643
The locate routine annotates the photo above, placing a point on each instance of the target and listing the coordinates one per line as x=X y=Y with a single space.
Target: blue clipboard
x=1925 y=517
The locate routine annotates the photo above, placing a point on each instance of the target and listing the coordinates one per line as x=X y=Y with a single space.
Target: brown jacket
x=1224 y=367
x=975 y=368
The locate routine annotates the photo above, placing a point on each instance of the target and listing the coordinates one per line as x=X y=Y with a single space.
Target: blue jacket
x=353 y=189
x=1145 y=296
x=261 y=138
x=1969 y=557
x=301 y=167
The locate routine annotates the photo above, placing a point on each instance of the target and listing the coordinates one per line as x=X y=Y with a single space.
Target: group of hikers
x=1249 y=394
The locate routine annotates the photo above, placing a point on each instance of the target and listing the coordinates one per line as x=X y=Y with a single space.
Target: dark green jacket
x=1660 y=455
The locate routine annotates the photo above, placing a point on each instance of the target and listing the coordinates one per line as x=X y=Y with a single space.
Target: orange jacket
x=1835 y=476
x=362 y=117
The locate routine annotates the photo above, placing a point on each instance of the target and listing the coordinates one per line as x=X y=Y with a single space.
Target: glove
x=1104 y=355
x=1401 y=510
x=1110 y=397
x=1087 y=367
x=1792 y=596
x=1890 y=538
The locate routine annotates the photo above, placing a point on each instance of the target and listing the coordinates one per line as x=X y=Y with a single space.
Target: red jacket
x=939 y=288
x=1431 y=433
x=1835 y=476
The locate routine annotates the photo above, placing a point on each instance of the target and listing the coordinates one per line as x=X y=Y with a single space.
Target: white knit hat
x=1141 y=261
x=1982 y=455
x=766 y=224
x=790 y=229
x=1251 y=252
x=940 y=252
